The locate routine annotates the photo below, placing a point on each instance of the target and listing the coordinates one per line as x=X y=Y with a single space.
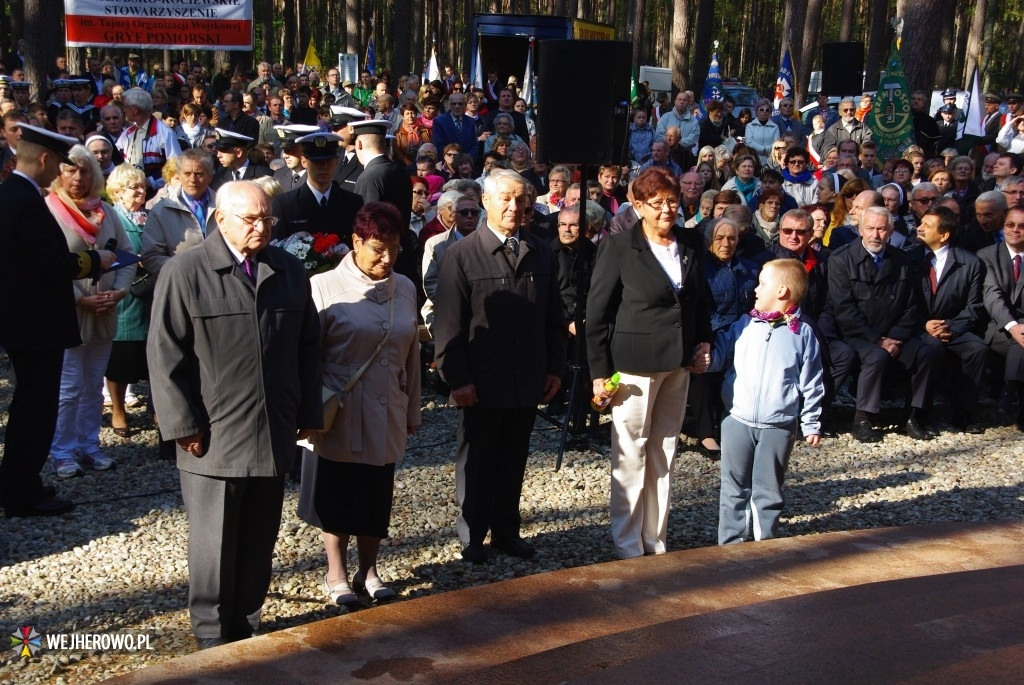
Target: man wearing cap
x=81 y=104
x=232 y=152
x=146 y=143
x=992 y=118
x=292 y=174
x=1013 y=108
x=133 y=75
x=949 y=98
x=386 y=181
x=947 y=125
x=349 y=168
x=21 y=94
x=61 y=97
x=319 y=205
x=236 y=381
x=38 y=324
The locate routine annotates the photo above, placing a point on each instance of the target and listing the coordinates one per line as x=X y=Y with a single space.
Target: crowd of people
x=305 y=243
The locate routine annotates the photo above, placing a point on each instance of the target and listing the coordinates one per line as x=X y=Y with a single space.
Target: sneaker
x=97 y=461
x=67 y=468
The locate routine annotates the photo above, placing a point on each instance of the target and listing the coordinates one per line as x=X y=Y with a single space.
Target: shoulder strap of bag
x=380 y=346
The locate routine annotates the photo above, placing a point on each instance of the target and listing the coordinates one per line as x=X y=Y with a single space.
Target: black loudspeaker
x=842 y=68
x=583 y=101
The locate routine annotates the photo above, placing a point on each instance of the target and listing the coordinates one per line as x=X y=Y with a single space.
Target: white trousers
x=647 y=415
x=80 y=409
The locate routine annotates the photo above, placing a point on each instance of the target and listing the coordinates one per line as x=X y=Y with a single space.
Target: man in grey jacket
x=234 y=354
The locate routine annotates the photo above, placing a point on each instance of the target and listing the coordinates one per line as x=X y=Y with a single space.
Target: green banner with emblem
x=891 y=121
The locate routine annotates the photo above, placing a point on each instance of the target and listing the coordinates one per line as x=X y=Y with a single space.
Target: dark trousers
x=916 y=356
x=837 y=360
x=706 y=403
x=1013 y=354
x=31 y=422
x=493 y=446
x=232 y=528
x=969 y=355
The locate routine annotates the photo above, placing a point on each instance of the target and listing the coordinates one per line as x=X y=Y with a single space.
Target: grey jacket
x=172 y=228
x=238 y=362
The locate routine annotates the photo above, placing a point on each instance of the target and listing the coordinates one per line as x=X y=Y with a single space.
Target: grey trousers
x=753 y=465
x=232 y=529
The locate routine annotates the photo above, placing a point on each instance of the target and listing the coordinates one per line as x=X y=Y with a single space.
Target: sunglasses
x=792 y=231
x=847 y=110
x=468 y=212
x=764 y=109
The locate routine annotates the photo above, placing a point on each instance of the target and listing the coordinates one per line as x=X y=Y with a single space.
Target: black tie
x=238 y=175
x=323 y=202
x=295 y=179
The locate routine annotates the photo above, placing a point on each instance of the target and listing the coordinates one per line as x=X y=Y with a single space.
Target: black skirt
x=127 y=363
x=351 y=499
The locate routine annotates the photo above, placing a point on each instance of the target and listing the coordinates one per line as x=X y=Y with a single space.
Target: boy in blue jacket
x=773 y=383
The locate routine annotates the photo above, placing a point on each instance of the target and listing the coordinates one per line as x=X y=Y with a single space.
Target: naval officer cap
x=288 y=134
x=54 y=142
x=320 y=146
x=228 y=140
x=371 y=126
x=343 y=116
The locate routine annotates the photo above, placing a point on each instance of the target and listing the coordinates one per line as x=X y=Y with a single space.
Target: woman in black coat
x=648 y=320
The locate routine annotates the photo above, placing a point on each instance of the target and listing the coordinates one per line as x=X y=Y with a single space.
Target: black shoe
x=474 y=553
x=863 y=431
x=1006 y=401
x=968 y=425
x=49 y=491
x=516 y=547
x=918 y=430
x=49 y=506
x=713 y=455
x=209 y=642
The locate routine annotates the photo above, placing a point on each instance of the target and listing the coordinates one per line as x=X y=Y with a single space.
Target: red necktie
x=1016 y=268
x=932 y=280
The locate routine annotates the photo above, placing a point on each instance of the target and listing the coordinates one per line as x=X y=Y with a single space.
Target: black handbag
x=142 y=286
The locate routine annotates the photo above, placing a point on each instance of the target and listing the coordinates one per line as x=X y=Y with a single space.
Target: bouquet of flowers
x=318 y=252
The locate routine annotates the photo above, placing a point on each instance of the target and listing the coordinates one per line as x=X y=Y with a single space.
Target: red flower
x=323 y=242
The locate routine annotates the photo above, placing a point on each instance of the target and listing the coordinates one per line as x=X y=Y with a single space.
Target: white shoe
x=97 y=461
x=131 y=401
x=67 y=468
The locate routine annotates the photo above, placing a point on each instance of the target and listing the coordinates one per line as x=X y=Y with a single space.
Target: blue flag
x=784 y=83
x=370 y=64
x=712 y=86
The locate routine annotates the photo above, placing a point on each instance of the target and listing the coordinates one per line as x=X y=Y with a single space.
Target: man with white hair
x=680 y=117
x=847 y=128
x=872 y=289
x=146 y=143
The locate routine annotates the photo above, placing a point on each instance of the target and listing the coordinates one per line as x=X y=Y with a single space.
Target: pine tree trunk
x=288 y=56
x=402 y=30
x=267 y=55
x=702 y=45
x=922 y=24
x=846 y=21
x=635 y=29
x=879 y=42
x=808 y=47
x=41 y=16
x=679 y=55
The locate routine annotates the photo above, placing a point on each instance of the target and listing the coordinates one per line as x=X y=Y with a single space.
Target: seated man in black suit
x=872 y=287
x=319 y=205
x=1003 y=295
x=953 y=310
x=232 y=152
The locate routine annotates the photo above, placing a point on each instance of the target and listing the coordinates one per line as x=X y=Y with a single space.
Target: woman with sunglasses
x=761 y=133
x=798 y=179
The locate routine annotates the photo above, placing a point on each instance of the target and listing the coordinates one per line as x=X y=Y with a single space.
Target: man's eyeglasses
x=251 y=221
x=764 y=109
x=792 y=231
x=847 y=110
x=928 y=199
x=466 y=213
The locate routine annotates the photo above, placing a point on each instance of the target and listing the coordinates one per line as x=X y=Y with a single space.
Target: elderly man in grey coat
x=234 y=353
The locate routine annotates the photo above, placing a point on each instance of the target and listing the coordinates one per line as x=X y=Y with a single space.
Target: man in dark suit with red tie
x=953 y=310
x=319 y=205
x=38 y=318
x=1003 y=295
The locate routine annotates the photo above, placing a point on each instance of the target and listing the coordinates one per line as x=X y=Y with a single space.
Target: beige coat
x=373 y=423
x=100 y=327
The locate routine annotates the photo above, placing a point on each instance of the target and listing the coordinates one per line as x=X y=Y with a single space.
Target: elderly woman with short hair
x=88 y=223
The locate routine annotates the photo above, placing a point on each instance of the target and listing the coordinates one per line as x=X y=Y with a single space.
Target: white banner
x=162 y=24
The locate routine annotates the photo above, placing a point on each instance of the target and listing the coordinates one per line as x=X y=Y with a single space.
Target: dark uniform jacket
x=224 y=175
x=299 y=211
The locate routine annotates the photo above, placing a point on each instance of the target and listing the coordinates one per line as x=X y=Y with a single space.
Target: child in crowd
x=773 y=382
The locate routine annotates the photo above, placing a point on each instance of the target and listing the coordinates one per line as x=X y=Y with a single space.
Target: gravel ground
x=118 y=564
